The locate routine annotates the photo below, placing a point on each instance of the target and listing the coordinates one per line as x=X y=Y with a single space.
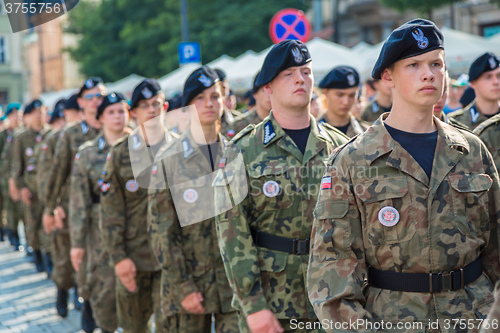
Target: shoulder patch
x=487 y=123
x=337 y=150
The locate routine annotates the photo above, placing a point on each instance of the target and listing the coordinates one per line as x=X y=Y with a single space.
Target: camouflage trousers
x=33 y=223
x=101 y=286
x=135 y=308
x=195 y=323
x=492 y=322
x=63 y=274
x=12 y=209
x=289 y=325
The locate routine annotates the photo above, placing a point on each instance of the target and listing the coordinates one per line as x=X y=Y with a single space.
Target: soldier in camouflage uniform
x=484 y=78
x=12 y=208
x=341 y=88
x=124 y=203
x=264 y=239
x=253 y=116
x=381 y=104
x=58 y=193
x=406 y=222
x=24 y=174
x=85 y=206
x=440 y=105
x=181 y=218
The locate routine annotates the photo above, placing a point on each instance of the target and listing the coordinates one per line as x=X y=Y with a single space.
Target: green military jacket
x=182 y=227
x=372 y=112
x=441 y=224
x=282 y=186
x=7 y=151
x=489 y=132
x=58 y=184
x=124 y=203
x=469 y=116
x=84 y=204
x=5 y=140
x=356 y=127
x=44 y=154
x=24 y=163
x=249 y=118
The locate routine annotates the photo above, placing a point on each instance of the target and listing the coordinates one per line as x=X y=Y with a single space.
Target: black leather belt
x=277 y=243
x=426 y=283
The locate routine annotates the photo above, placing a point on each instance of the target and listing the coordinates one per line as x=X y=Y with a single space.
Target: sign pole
x=184 y=20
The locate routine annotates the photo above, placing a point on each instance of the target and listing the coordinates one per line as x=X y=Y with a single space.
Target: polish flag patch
x=326 y=183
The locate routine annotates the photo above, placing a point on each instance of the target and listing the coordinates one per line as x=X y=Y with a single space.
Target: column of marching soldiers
x=145 y=249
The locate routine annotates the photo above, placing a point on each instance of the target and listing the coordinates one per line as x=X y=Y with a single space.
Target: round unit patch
x=29 y=151
x=271 y=189
x=132 y=185
x=190 y=195
x=39 y=139
x=388 y=216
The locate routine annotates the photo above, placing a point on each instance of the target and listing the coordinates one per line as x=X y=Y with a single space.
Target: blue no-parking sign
x=289 y=23
x=189 y=52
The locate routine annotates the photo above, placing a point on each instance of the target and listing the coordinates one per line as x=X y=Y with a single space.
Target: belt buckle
x=301 y=246
x=446 y=282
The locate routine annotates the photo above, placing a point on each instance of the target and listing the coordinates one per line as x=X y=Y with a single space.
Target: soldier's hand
x=76 y=257
x=125 y=270
x=59 y=216
x=264 y=321
x=48 y=222
x=26 y=196
x=192 y=303
x=13 y=191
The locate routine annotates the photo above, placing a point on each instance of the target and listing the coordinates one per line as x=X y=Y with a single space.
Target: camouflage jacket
x=7 y=152
x=44 y=154
x=84 y=204
x=282 y=186
x=249 y=118
x=372 y=112
x=5 y=140
x=489 y=132
x=356 y=127
x=23 y=158
x=124 y=203
x=227 y=121
x=444 y=223
x=58 y=183
x=469 y=116
x=182 y=227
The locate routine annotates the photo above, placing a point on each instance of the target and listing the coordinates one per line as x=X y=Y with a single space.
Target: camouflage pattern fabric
x=470 y=116
x=184 y=240
x=44 y=154
x=443 y=223
x=187 y=323
x=372 y=112
x=356 y=127
x=249 y=118
x=12 y=209
x=489 y=132
x=491 y=323
x=283 y=185
x=84 y=229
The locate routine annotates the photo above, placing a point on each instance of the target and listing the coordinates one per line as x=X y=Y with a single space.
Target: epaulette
x=456 y=113
x=243 y=132
x=163 y=150
x=337 y=150
x=485 y=124
x=333 y=129
x=121 y=140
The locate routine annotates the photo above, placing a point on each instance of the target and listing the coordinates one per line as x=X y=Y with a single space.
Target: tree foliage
x=423 y=7
x=120 y=37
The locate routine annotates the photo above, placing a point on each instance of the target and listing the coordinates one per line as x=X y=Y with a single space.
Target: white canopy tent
x=126 y=85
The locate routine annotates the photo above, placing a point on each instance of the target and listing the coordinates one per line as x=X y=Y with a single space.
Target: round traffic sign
x=289 y=23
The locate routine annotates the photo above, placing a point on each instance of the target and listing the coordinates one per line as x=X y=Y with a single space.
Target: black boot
x=47 y=262
x=2 y=232
x=104 y=331
x=62 y=302
x=76 y=299
x=38 y=258
x=15 y=240
x=88 y=323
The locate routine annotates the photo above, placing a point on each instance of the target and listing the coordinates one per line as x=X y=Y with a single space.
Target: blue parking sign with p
x=189 y=52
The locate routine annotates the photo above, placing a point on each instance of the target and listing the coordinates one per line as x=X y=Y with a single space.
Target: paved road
x=27 y=298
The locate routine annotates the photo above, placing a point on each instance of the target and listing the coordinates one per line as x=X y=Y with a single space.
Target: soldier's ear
x=268 y=89
x=386 y=77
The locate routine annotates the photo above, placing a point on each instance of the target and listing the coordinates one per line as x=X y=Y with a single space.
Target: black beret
x=89 y=84
x=255 y=88
x=222 y=75
x=413 y=38
x=72 y=103
x=341 y=77
x=485 y=63
x=144 y=90
x=58 y=111
x=33 y=105
x=285 y=54
x=175 y=102
x=110 y=99
x=202 y=78
x=467 y=97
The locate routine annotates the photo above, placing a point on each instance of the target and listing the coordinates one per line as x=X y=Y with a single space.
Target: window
x=3 y=51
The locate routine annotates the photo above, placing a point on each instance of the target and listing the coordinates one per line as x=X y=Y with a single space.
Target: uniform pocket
x=340 y=231
x=271 y=189
x=274 y=280
x=470 y=202
x=387 y=202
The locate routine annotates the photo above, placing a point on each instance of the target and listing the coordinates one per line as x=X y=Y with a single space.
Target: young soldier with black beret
x=484 y=78
x=341 y=88
x=406 y=221
x=264 y=238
